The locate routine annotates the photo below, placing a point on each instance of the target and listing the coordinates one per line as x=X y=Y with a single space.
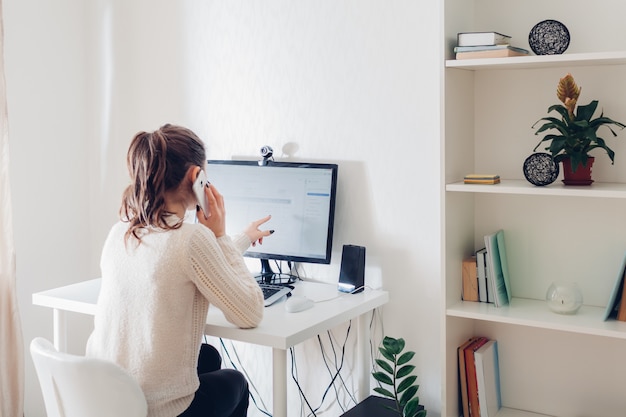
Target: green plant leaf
x=385 y=366
x=418 y=413
x=586 y=112
x=408 y=394
x=384 y=392
x=406 y=382
x=404 y=371
x=382 y=377
x=405 y=357
x=412 y=407
x=387 y=354
x=394 y=346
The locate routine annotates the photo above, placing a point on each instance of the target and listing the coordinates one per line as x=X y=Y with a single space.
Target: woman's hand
x=217 y=214
x=254 y=234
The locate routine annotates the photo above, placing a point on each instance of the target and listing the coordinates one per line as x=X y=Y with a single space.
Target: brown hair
x=157 y=162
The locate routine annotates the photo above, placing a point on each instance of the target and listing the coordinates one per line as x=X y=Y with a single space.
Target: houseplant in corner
x=397 y=374
x=574 y=134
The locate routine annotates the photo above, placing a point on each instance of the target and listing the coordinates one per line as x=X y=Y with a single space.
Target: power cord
x=250 y=383
x=334 y=376
x=295 y=378
x=375 y=322
x=337 y=368
x=344 y=295
x=343 y=382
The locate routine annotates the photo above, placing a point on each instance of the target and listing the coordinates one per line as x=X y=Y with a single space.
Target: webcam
x=267 y=153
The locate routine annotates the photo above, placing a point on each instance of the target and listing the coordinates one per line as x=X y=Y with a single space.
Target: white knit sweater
x=154 y=301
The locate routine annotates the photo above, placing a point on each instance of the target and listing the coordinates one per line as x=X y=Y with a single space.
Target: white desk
x=279 y=330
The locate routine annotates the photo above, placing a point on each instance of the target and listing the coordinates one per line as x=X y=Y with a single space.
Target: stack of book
x=471 y=45
x=485 y=275
x=481 y=179
x=479 y=377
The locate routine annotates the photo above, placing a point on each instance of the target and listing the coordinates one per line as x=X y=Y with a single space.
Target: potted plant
x=574 y=133
x=401 y=399
x=397 y=374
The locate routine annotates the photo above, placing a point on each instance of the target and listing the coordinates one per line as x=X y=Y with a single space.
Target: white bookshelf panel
x=535 y=313
x=523 y=187
x=540 y=61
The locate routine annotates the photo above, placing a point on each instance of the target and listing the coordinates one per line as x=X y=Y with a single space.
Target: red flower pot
x=582 y=176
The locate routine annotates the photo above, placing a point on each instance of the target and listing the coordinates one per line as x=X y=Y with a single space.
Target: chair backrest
x=78 y=386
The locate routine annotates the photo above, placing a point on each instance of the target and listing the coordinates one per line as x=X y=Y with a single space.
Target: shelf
x=541 y=61
x=535 y=313
x=510 y=412
x=523 y=187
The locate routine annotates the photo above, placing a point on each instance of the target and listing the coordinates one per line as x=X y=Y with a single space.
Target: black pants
x=222 y=392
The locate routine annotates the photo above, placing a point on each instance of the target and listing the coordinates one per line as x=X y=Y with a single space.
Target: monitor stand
x=268 y=276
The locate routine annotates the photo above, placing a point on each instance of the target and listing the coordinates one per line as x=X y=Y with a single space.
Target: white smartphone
x=198 y=188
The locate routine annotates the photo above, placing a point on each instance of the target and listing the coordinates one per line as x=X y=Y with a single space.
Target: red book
x=470 y=372
x=463 y=376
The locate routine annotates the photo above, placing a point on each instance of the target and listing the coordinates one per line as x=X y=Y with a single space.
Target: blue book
x=498 y=268
x=488 y=379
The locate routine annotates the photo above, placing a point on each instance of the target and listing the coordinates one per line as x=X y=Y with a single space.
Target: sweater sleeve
x=241 y=242
x=221 y=275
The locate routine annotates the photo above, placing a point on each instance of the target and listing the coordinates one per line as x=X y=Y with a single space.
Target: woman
x=159 y=275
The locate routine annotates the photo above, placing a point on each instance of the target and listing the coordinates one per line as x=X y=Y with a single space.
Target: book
x=481 y=38
x=482 y=274
x=497 y=181
x=492 y=53
x=504 y=263
x=621 y=311
x=487 y=48
x=497 y=268
x=470 y=279
x=481 y=179
x=615 y=299
x=463 y=376
x=470 y=372
x=488 y=379
x=489 y=281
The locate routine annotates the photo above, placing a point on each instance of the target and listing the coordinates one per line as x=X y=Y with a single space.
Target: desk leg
x=279 y=378
x=59 y=332
x=363 y=356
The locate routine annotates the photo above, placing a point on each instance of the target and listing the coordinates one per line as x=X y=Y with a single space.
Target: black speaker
x=352 y=273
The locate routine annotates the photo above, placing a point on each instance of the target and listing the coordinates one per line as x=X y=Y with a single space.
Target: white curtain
x=11 y=342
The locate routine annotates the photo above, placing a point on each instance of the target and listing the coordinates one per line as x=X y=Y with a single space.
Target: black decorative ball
x=540 y=169
x=549 y=38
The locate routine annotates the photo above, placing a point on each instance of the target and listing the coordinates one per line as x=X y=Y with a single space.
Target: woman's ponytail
x=157 y=162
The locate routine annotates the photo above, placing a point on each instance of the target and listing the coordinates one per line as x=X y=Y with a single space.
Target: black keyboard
x=273 y=292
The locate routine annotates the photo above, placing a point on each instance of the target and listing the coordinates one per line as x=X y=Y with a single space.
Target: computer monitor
x=299 y=196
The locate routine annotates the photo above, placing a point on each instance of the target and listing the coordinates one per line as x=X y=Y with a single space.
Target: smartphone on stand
x=198 y=188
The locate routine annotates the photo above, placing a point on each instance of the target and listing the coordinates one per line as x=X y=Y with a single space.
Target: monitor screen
x=299 y=196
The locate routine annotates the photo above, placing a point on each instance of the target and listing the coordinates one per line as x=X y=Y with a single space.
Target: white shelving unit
x=546 y=61
x=550 y=364
x=523 y=187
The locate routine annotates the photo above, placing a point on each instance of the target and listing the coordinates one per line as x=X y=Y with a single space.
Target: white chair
x=78 y=386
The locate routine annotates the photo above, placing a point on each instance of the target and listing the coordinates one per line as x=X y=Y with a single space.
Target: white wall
x=351 y=82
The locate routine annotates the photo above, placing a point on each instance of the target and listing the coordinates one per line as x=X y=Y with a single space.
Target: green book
x=498 y=268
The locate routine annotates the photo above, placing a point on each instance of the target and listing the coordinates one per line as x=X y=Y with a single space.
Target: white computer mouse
x=297 y=303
